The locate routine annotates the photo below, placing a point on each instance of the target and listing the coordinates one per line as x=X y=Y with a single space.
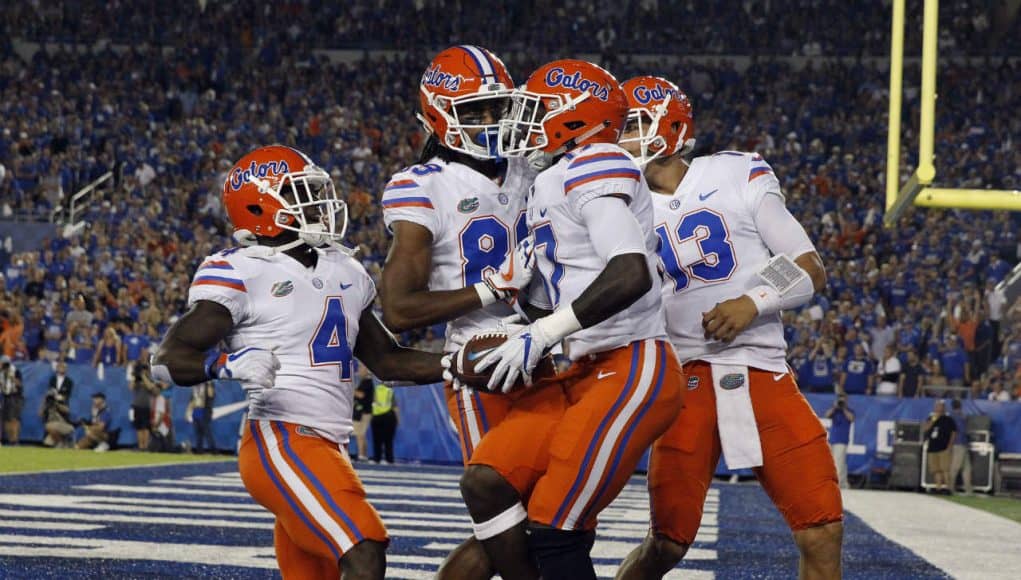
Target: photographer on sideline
x=841 y=417
x=97 y=434
x=142 y=390
x=13 y=392
x=56 y=416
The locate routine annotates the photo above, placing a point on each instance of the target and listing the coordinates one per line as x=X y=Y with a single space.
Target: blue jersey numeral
x=329 y=344
x=485 y=242
x=709 y=232
x=546 y=239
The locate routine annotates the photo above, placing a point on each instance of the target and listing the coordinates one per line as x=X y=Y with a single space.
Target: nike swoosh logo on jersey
x=603 y=375
x=705 y=196
x=344 y=286
x=778 y=376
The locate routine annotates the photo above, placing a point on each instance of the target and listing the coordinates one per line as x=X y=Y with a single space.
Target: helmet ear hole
x=254 y=209
x=574 y=125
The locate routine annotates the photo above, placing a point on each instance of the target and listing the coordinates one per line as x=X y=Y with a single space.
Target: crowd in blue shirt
x=169 y=122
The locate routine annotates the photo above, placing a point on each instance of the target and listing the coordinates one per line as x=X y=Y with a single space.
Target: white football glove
x=254 y=368
x=448 y=375
x=515 y=272
x=516 y=358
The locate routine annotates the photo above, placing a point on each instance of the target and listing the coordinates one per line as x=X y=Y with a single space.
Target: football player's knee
x=485 y=490
x=820 y=540
x=665 y=552
x=365 y=561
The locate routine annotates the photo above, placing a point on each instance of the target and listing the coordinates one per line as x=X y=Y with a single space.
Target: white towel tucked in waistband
x=739 y=434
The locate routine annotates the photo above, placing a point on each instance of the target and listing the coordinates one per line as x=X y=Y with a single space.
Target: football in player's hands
x=477 y=347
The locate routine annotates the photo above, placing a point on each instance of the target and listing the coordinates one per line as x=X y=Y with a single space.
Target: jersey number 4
x=700 y=249
x=329 y=344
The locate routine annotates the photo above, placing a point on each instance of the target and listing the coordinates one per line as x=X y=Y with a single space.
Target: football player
x=294 y=309
x=733 y=257
x=456 y=217
x=590 y=213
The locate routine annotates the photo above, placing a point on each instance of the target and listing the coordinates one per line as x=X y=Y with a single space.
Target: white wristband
x=559 y=324
x=485 y=294
x=766 y=299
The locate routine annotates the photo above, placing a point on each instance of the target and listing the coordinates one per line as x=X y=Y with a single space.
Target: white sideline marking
x=964 y=542
x=43 y=525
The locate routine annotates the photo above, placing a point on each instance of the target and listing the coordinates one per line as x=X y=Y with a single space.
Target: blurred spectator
x=821 y=368
x=12 y=399
x=362 y=415
x=939 y=431
x=384 y=424
x=953 y=363
x=143 y=389
x=108 y=349
x=97 y=427
x=889 y=370
x=995 y=302
x=999 y=392
x=882 y=335
x=841 y=417
x=911 y=377
x=200 y=415
x=858 y=374
x=56 y=416
x=960 y=460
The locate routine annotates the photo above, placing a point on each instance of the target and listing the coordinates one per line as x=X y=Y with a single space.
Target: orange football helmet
x=277 y=188
x=660 y=115
x=461 y=85
x=562 y=105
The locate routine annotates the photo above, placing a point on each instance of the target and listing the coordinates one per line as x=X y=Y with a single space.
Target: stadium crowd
x=735 y=27
x=909 y=306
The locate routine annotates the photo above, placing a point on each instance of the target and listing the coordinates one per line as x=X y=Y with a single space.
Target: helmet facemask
x=523 y=134
x=645 y=122
x=468 y=129
x=311 y=207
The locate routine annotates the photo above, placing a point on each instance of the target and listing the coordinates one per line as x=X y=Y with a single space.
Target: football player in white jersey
x=732 y=258
x=293 y=310
x=591 y=214
x=456 y=217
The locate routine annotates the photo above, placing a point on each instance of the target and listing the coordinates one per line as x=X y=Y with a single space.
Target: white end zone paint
x=964 y=542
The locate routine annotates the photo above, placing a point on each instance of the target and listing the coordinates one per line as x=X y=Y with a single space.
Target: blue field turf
x=196 y=521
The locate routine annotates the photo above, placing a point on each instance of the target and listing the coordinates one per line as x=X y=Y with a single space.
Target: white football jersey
x=566 y=259
x=307 y=317
x=711 y=251
x=475 y=223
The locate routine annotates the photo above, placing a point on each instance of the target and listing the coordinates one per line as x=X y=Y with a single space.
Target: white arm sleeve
x=779 y=229
x=612 y=227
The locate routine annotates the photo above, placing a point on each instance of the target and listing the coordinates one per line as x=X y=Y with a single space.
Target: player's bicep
x=201 y=328
x=408 y=264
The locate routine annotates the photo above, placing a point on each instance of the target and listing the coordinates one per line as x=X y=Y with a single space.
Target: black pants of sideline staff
x=384 y=427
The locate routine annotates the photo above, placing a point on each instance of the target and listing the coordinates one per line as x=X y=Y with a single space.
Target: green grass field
x=1002 y=506
x=26 y=459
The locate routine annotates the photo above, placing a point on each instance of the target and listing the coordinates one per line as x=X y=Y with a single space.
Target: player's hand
x=515 y=358
x=254 y=368
x=729 y=318
x=449 y=361
x=515 y=272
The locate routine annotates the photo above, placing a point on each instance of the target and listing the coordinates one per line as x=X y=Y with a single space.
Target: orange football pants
x=312 y=489
x=571 y=447
x=797 y=469
x=475 y=413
